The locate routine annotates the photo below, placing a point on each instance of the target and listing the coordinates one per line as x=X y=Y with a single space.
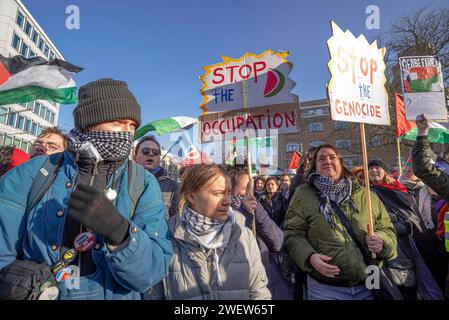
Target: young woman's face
x=376 y=174
x=241 y=186
x=328 y=164
x=259 y=185
x=214 y=200
x=271 y=186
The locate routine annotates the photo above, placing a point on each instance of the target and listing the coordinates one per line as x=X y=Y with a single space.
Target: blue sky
x=160 y=47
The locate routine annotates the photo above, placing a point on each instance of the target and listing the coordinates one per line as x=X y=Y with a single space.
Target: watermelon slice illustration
x=275 y=83
x=421 y=79
x=4 y=74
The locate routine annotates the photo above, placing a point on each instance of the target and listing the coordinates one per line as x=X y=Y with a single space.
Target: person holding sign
x=318 y=241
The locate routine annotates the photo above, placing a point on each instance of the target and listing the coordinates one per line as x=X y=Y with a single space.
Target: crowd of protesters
x=95 y=215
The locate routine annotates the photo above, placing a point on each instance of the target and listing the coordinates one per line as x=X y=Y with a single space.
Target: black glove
x=94 y=211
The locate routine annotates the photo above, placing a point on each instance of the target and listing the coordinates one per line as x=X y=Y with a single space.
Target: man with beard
x=89 y=220
x=148 y=154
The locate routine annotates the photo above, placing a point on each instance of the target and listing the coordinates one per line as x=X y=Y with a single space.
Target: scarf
x=110 y=145
x=331 y=190
x=236 y=201
x=396 y=186
x=209 y=233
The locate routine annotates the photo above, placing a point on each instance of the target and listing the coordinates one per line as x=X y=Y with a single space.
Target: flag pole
x=248 y=155
x=367 y=186
x=399 y=157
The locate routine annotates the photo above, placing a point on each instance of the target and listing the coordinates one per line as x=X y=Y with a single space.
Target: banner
x=423 y=88
x=266 y=82
x=356 y=90
x=259 y=121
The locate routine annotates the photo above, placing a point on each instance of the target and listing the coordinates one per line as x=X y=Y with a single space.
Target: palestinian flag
x=294 y=161
x=263 y=142
x=167 y=125
x=23 y=80
x=438 y=132
x=421 y=79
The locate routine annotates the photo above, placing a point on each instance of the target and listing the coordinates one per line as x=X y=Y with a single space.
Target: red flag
x=294 y=161
x=402 y=124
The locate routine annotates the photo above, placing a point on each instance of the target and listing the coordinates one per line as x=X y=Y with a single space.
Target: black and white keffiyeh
x=199 y=224
x=236 y=201
x=331 y=190
x=111 y=145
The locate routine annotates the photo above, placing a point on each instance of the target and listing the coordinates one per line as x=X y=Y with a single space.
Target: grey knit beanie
x=105 y=100
x=379 y=163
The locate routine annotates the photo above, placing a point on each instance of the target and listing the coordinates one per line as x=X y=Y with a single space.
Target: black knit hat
x=379 y=163
x=105 y=100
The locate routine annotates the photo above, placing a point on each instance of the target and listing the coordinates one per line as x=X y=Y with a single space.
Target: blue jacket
x=124 y=274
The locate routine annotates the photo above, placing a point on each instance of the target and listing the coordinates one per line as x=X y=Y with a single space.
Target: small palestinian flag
x=167 y=125
x=23 y=80
x=421 y=79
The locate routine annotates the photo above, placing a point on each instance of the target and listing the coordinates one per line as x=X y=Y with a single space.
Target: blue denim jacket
x=123 y=274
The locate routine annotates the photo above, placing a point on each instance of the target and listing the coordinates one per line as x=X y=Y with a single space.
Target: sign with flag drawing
x=266 y=82
x=423 y=88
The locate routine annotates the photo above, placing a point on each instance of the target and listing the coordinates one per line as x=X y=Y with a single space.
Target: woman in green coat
x=318 y=242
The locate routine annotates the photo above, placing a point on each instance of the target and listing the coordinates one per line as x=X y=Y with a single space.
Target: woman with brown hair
x=274 y=202
x=317 y=239
x=215 y=256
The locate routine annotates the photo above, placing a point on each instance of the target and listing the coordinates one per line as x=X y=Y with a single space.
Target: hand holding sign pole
x=356 y=90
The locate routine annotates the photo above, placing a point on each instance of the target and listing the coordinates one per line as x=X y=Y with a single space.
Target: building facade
x=317 y=127
x=20 y=33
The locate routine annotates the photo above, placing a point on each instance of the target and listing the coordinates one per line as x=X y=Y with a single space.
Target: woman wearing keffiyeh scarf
x=215 y=255
x=318 y=242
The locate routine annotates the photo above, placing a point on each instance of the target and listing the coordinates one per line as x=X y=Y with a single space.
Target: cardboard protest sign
x=356 y=90
x=423 y=87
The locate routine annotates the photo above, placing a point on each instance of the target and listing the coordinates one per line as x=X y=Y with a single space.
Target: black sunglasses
x=147 y=151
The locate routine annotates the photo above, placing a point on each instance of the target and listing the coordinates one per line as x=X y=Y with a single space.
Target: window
x=20 y=19
x=315 y=143
x=24 y=50
x=12 y=119
x=47 y=115
x=34 y=129
x=24 y=146
x=37 y=107
x=41 y=44
x=290 y=147
x=8 y=141
x=16 y=42
x=52 y=118
x=340 y=125
x=52 y=55
x=46 y=49
x=374 y=142
x=2 y=138
x=35 y=37
x=17 y=142
x=42 y=112
x=315 y=127
x=27 y=125
x=39 y=129
x=348 y=162
x=31 y=54
x=28 y=28
x=343 y=143
x=20 y=121
x=3 y=114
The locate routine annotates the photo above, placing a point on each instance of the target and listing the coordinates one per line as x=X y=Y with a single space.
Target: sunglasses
x=147 y=151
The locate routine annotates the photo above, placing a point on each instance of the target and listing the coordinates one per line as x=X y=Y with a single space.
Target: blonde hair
x=196 y=178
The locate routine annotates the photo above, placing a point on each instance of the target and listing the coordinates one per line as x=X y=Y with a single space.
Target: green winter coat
x=306 y=232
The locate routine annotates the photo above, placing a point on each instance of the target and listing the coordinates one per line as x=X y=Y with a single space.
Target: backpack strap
x=136 y=184
x=44 y=179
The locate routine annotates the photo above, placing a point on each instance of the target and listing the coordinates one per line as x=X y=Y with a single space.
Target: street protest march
x=170 y=157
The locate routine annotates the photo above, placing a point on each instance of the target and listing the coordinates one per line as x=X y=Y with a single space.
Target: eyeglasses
x=147 y=151
x=47 y=145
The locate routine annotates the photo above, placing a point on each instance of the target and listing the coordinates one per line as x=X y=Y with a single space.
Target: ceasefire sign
x=357 y=86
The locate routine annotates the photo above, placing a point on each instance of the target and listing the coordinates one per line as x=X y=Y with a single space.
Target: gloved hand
x=93 y=210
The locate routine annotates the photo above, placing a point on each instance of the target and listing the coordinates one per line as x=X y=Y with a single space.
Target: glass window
x=374 y=141
x=24 y=146
x=28 y=28
x=17 y=142
x=24 y=50
x=315 y=143
x=16 y=42
x=348 y=162
x=31 y=54
x=20 y=19
x=2 y=138
x=315 y=127
x=290 y=147
x=27 y=125
x=39 y=129
x=8 y=141
x=343 y=143
x=34 y=129
x=41 y=44
x=47 y=115
x=42 y=112
x=37 y=107
x=52 y=118
x=340 y=125
x=12 y=119
x=46 y=50
x=20 y=121
x=52 y=55
x=30 y=105
x=35 y=36
x=3 y=114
